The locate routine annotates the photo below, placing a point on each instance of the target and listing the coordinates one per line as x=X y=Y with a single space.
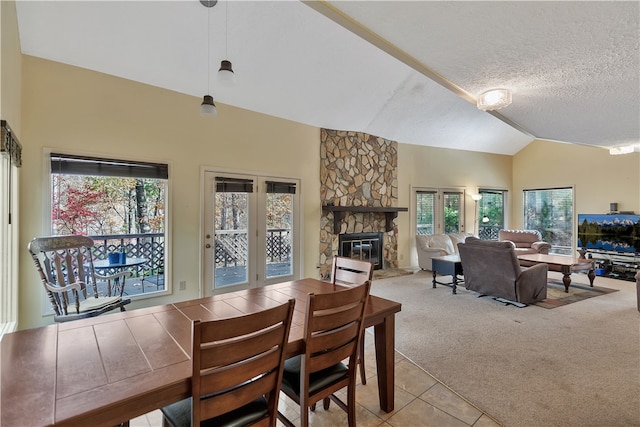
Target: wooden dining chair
x=236 y=370
x=65 y=266
x=350 y=272
x=333 y=329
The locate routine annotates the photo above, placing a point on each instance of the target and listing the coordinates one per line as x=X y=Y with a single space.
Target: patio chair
x=155 y=278
x=333 y=329
x=65 y=265
x=236 y=370
x=350 y=272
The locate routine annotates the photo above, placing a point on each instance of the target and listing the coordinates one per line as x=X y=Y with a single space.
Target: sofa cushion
x=458 y=238
x=441 y=241
x=522 y=238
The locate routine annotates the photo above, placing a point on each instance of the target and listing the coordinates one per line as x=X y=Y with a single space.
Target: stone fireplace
x=359 y=193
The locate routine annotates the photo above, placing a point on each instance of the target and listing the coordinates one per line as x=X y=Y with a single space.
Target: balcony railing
x=489 y=232
x=232 y=247
x=149 y=246
x=231 y=251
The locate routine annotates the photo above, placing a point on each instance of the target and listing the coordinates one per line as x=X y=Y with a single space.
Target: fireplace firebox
x=364 y=246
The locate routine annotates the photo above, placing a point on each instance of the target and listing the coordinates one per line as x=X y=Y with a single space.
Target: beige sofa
x=491 y=268
x=433 y=245
x=525 y=241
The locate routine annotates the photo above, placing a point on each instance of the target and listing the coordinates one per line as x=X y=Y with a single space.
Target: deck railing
x=142 y=245
x=232 y=247
x=231 y=251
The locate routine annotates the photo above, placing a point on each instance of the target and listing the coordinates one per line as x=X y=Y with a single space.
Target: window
x=550 y=211
x=438 y=211
x=121 y=205
x=10 y=160
x=491 y=213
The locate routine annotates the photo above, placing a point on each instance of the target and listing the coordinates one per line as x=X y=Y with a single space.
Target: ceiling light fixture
x=494 y=99
x=226 y=76
x=208 y=107
x=623 y=149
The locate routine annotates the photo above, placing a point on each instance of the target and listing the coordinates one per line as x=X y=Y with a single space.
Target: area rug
x=557 y=297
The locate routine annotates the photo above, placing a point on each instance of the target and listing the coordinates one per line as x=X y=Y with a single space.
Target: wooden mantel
x=390 y=213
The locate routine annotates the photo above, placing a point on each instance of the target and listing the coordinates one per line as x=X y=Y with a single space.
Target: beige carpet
x=575 y=365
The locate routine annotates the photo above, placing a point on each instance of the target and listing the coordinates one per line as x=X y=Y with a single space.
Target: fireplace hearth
x=363 y=246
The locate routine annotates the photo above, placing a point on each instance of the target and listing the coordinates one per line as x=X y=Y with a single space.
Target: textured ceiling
x=407 y=71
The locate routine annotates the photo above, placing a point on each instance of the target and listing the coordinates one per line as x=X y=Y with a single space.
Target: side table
x=448 y=265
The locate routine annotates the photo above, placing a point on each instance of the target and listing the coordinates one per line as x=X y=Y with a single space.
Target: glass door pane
x=452 y=212
x=491 y=214
x=279 y=233
x=231 y=232
x=425 y=212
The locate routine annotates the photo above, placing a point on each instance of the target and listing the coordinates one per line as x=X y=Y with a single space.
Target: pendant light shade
x=226 y=76
x=208 y=107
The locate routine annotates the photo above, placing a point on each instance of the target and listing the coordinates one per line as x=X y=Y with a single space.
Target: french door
x=251 y=231
x=438 y=210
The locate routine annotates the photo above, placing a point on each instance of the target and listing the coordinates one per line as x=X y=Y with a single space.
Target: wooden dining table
x=109 y=369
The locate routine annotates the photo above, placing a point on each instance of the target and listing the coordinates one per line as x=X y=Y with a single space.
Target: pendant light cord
x=226 y=29
x=208 y=51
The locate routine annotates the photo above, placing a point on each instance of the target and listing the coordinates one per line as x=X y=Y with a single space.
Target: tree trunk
x=142 y=222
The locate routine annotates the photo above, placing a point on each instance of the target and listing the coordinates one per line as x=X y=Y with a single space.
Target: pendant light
x=226 y=76
x=208 y=107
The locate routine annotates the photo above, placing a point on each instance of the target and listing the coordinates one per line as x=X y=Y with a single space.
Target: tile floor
x=420 y=400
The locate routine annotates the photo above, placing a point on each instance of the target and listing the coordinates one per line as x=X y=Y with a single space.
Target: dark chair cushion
x=179 y=414
x=317 y=380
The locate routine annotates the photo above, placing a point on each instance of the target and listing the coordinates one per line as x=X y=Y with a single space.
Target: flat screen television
x=617 y=233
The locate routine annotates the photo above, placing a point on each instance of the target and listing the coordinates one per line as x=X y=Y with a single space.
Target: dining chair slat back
x=333 y=329
x=352 y=271
x=65 y=268
x=237 y=367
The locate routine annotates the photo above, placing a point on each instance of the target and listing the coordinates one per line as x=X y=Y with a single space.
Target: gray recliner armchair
x=492 y=268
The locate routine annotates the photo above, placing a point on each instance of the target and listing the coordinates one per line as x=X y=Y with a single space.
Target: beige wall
x=80 y=111
x=71 y=109
x=420 y=166
x=10 y=67
x=597 y=177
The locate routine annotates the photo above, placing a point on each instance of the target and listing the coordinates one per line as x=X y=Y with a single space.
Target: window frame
x=555 y=249
x=47 y=206
x=493 y=233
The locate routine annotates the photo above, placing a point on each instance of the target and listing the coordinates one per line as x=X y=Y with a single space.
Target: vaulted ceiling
x=406 y=71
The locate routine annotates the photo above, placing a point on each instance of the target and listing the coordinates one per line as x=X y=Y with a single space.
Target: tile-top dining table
x=112 y=368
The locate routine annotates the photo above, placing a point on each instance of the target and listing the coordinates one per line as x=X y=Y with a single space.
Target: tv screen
x=619 y=233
